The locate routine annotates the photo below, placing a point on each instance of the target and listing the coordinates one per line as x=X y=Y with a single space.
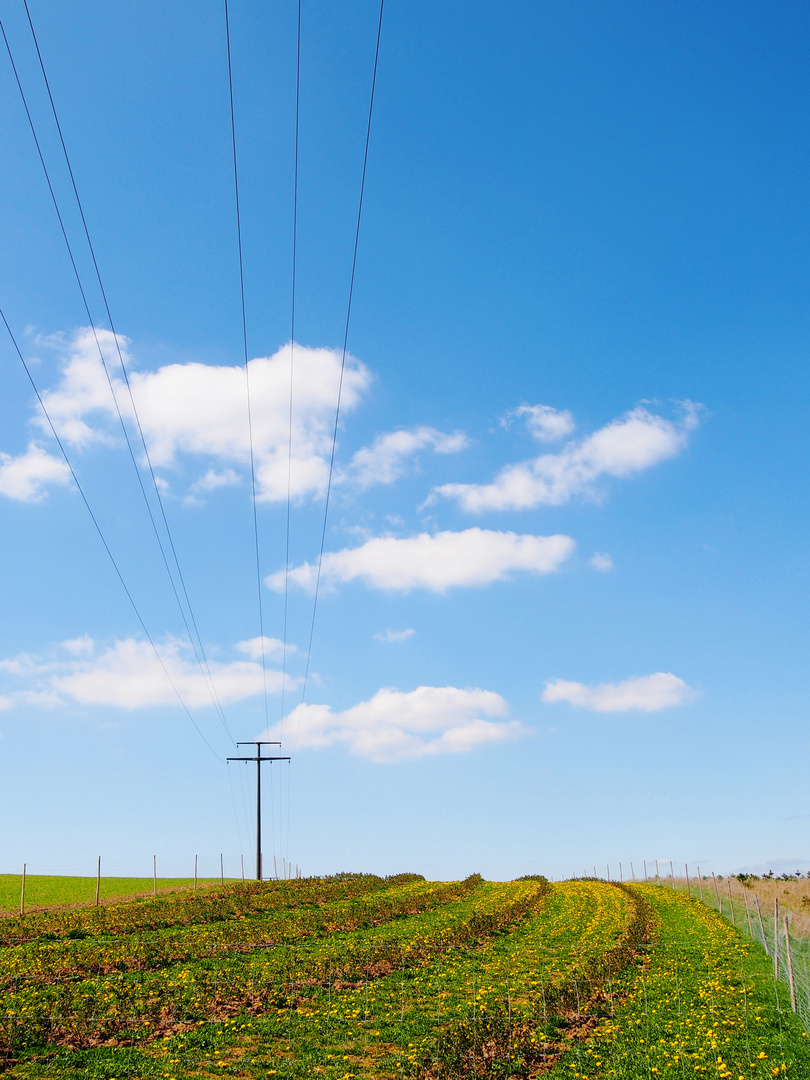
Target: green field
x=52 y=891
x=359 y=976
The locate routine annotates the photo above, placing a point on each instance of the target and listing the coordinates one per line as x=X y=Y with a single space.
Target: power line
x=198 y=647
x=247 y=367
x=235 y=815
x=199 y=655
x=102 y=537
x=207 y=672
x=248 y=825
x=340 y=383
x=292 y=353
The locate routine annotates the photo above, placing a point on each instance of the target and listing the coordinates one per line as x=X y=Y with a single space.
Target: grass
x=739 y=901
x=44 y=891
x=701 y=1003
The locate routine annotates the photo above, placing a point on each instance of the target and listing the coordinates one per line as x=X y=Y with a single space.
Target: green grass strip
x=702 y=1003
x=44 y=891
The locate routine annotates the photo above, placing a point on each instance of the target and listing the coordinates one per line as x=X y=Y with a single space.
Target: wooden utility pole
x=258 y=743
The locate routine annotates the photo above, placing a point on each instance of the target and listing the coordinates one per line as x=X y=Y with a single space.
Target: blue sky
x=561 y=620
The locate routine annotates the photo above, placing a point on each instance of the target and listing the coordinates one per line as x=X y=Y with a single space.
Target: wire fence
x=783 y=932
x=38 y=888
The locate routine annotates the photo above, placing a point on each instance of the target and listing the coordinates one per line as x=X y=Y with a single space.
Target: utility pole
x=258 y=759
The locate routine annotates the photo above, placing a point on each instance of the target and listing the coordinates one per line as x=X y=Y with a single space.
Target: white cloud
x=128 y=675
x=601 y=561
x=645 y=693
x=27 y=476
x=201 y=410
x=272 y=647
x=436 y=562
x=47 y=699
x=386 y=459
x=80 y=646
x=213 y=480
x=390 y=636
x=543 y=422
x=21 y=664
x=634 y=442
x=395 y=724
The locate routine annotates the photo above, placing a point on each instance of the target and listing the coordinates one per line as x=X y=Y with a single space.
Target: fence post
x=717 y=893
x=688 y=890
x=790 y=966
x=632 y=872
x=22 y=892
x=195 y=871
x=731 y=901
x=154 y=875
x=748 y=914
x=700 y=885
x=776 y=937
x=98 y=880
x=672 y=873
x=762 y=926
x=657 y=875
x=621 y=879
x=221 y=869
x=242 y=857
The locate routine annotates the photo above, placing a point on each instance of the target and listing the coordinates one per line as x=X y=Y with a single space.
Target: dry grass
x=793 y=896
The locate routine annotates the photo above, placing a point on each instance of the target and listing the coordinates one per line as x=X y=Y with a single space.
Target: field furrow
x=73 y=957
x=90 y=1010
